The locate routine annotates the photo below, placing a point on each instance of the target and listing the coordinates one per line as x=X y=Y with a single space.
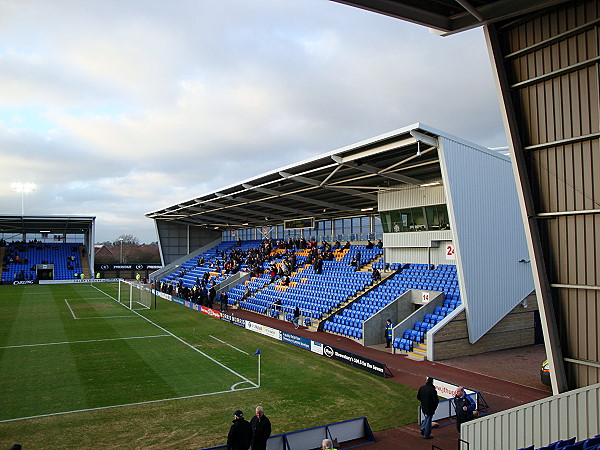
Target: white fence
x=560 y=417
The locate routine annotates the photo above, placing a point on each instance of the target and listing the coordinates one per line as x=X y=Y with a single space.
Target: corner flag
x=257 y=352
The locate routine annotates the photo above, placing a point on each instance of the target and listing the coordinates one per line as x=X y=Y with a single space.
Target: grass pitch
x=80 y=370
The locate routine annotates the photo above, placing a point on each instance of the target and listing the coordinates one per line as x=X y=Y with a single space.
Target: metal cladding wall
x=547 y=67
x=574 y=414
x=407 y=197
x=176 y=240
x=492 y=256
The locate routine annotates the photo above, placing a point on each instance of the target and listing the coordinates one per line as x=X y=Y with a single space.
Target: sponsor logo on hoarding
x=16 y=283
x=211 y=312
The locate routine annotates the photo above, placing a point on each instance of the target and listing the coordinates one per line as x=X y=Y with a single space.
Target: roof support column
x=527 y=206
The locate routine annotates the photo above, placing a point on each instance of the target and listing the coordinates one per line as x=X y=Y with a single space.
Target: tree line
x=126 y=248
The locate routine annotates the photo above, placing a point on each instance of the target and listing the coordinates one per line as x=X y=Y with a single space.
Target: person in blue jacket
x=464 y=407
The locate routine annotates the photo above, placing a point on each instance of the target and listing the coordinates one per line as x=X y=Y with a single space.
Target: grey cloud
x=155 y=102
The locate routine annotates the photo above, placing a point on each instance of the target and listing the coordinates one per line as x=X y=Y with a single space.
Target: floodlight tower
x=23 y=188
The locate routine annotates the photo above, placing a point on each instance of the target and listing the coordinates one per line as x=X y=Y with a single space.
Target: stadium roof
x=50 y=224
x=452 y=16
x=341 y=183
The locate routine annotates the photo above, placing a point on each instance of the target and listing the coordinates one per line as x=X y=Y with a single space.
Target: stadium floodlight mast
x=121 y=257
x=23 y=188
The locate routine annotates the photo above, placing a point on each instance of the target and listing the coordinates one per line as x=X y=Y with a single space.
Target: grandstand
x=37 y=248
x=34 y=260
x=442 y=260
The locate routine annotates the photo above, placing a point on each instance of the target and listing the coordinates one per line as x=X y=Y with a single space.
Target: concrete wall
x=516 y=329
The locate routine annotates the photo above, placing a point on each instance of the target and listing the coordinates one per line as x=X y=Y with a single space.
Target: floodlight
x=23 y=188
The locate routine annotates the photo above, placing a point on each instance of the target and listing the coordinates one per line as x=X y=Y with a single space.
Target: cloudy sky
x=116 y=108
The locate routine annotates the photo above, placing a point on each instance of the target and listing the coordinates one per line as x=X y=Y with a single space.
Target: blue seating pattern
x=424 y=277
x=314 y=294
x=194 y=271
x=570 y=444
x=34 y=253
x=349 y=321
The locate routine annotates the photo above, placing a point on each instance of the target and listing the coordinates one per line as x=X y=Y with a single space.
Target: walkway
x=506 y=379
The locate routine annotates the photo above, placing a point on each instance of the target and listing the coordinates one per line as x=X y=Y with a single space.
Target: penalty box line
x=84 y=341
x=183 y=342
x=99 y=317
x=99 y=408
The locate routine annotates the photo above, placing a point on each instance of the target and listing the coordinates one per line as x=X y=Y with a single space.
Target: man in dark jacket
x=429 y=399
x=240 y=433
x=261 y=429
x=464 y=407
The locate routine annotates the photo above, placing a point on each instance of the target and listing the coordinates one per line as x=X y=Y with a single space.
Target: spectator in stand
x=240 y=433
x=347 y=245
x=318 y=266
x=376 y=275
x=261 y=429
x=369 y=245
x=379 y=244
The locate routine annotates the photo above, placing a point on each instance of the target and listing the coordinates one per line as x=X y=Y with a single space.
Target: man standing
x=261 y=429
x=429 y=399
x=240 y=433
x=296 y=317
x=223 y=299
x=388 y=332
x=464 y=407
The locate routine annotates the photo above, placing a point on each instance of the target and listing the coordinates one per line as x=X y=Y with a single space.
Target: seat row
x=570 y=444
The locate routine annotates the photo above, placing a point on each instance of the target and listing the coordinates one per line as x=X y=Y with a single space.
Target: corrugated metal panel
x=539 y=423
x=409 y=196
x=551 y=61
x=488 y=233
x=432 y=255
x=407 y=255
x=416 y=239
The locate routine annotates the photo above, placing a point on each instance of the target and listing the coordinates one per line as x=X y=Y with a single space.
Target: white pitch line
x=69 y=306
x=235 y=348
x=182 y=341
x=105 y=317
x=131 y=404
x=89 y=318
x=81 y=342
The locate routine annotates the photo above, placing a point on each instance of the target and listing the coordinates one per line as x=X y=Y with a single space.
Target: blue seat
x=591 y=442
x=561 y=444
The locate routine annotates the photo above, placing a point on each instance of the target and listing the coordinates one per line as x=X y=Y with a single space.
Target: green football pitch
x=80 y=370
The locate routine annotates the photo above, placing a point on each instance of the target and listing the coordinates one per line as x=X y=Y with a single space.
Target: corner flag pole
x=257 y=352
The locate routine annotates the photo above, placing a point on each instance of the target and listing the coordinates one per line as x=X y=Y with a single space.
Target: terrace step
x=415 y=357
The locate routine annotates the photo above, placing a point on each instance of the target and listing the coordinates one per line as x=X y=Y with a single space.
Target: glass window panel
x=418 y=219
x=377 y=224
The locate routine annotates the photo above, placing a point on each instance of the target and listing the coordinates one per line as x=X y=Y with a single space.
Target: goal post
x=136 y=295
